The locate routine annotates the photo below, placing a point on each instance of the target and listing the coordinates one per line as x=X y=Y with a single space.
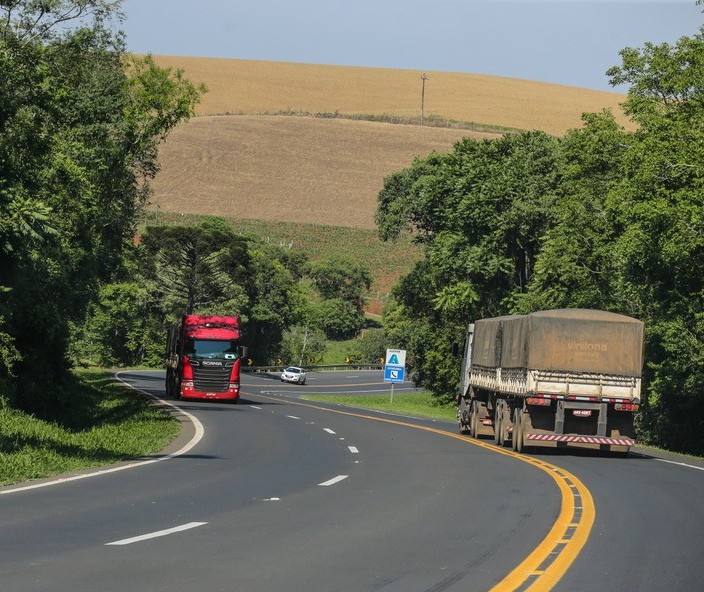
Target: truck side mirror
x=243 y=351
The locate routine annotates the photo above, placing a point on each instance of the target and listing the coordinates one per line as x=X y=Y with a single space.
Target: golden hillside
x=255 y=87
x=253 y=164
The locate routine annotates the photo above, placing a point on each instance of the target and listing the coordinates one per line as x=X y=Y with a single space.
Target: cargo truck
x=203 y=357
x=568 y=377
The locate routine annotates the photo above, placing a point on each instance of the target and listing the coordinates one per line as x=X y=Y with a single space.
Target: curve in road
x=546 y=565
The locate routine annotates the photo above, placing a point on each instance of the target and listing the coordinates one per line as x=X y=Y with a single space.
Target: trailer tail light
x=538 y=401
x=626 y=406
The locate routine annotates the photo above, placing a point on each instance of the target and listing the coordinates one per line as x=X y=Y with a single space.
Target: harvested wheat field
x=255 y=164
x=240 y=160
x=256 y=87
x=298 y=169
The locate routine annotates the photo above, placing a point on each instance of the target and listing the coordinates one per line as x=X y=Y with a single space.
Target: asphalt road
x=279 y=494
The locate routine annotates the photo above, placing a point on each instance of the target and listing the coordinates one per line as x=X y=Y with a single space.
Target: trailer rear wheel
x=497 y=427
x=517 y=440
x=504 y=424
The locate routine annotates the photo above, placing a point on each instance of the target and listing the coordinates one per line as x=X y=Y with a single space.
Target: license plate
x=582 y=412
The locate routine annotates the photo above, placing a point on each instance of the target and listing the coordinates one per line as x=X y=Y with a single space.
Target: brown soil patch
x=298 y=169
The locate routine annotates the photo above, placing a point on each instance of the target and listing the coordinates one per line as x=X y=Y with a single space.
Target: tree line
x=80 y=123
x=601 y=218
x=289 y=306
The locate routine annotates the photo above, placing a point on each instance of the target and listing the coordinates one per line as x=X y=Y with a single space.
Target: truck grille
x=211 y=379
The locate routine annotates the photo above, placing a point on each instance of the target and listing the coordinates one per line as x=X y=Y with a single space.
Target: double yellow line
x=548 y=562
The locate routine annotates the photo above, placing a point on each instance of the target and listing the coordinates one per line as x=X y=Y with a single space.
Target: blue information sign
x=394 y=373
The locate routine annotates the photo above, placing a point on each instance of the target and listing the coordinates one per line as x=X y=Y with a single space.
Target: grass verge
x=338 y=350
x=428 y=121
x=108 y=423
x=417 y=404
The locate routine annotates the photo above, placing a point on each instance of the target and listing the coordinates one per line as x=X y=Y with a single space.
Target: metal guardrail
x=313 y=368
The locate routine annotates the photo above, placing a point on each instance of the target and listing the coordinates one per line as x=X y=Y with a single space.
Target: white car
x=293 y=374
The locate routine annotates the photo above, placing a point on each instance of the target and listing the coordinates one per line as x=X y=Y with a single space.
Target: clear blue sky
x=569 y=42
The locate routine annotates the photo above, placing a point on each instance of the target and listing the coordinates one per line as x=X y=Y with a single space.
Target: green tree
x=275 y=302
x=339 y=277
x=370 y=347
x=657 y=210
x=29 y=21
x=576 y=263
x=198 y=269
x=480 y=213
x=300 y=344
x=338 y=318
x=122 y=328
x=79 y=127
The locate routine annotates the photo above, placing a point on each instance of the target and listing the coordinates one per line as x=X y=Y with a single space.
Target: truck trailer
x=203 y=357
x=568 y=377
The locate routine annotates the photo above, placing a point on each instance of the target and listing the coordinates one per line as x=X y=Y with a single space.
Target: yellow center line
x=550 y=560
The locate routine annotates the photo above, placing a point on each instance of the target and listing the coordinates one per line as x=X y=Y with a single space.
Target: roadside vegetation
x=104 y=423
x=386 y=261
x=603 y=217
x=417 y=404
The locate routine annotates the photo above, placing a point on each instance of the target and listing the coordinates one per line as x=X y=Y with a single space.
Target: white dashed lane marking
x=159 y=533
x=333 y=481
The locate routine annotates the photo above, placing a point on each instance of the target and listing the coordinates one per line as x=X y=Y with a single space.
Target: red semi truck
x=203 y=357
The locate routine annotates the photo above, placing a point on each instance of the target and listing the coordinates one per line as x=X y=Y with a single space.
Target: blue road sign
x=394 y=373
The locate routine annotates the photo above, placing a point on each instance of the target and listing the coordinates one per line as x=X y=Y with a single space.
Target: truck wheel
x=498 y=426
x=474 y=419
x=503 y=432
x=461 y=426
x=517 y=440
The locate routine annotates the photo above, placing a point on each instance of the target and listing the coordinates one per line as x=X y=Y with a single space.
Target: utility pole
x=305 y=340
x=422 y=98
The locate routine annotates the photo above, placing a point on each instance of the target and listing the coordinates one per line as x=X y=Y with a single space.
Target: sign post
x=394 y=368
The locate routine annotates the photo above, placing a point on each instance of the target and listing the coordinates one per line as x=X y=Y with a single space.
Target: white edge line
x=333 y=481
x=681 y=464
x=160 y=533
x=197 y=437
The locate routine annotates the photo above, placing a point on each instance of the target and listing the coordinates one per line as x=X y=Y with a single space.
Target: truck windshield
x=214 y=349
